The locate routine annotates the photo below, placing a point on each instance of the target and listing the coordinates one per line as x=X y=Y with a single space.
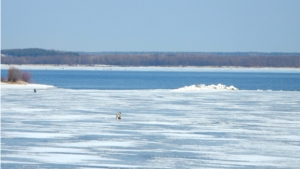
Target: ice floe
x=206 y=87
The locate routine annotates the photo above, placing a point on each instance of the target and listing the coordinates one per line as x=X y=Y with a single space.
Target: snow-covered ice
x=25 y=86
x=64 y=128
x=207 y=87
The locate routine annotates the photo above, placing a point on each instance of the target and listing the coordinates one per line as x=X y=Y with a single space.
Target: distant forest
x=244 y=59
x=35 y=52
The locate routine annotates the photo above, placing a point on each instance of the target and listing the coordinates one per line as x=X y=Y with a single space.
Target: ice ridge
x=208 y=87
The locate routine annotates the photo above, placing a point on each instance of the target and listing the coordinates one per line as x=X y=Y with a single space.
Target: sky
x=152 y=25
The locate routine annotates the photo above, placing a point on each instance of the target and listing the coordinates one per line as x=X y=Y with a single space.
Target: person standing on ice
x=118 y=116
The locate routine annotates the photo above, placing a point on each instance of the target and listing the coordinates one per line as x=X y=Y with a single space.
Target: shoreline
x=28 y=67
x=24 y=85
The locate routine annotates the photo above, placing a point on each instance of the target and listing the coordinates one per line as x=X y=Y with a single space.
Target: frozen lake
x=65 y=128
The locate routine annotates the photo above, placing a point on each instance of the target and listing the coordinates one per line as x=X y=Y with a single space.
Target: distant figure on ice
x=118 y=116
x=34 y=90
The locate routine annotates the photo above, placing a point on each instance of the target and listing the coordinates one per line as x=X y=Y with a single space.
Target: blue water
x=132 y=80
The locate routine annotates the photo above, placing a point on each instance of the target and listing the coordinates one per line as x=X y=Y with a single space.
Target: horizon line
x=148 y=51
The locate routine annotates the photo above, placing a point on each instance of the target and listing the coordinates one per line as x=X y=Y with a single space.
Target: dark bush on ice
x=26 y=76
x=14 y=74
x=3 y=79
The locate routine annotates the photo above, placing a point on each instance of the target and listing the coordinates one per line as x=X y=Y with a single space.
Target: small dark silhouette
x=34 y=90
x=118 y=116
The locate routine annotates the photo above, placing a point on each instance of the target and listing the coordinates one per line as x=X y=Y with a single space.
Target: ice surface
x=63 y=128
x=25 y=86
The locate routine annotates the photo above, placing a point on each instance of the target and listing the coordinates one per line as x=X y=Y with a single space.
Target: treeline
x=194 y=53
x=165 y=59
x=35 y=52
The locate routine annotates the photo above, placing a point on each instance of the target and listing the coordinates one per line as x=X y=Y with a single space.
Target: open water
x=135 y=80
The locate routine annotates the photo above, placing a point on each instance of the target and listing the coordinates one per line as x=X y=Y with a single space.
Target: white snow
x=34 y=135
x=200 y=87
x=64 y=128
x=25 y=86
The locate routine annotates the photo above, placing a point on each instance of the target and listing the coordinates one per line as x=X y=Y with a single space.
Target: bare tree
x=26 y=76
x=14 y=74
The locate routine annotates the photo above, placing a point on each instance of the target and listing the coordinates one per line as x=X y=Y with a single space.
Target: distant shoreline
x=144 y=68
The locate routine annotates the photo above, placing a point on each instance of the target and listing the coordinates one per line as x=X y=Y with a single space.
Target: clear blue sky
x=152 y=25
